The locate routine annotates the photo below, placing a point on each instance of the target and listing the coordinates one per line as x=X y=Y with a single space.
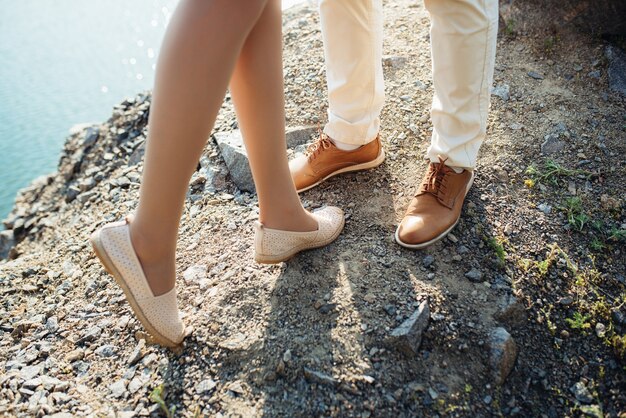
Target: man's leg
x=463 y=43
x=352 y=32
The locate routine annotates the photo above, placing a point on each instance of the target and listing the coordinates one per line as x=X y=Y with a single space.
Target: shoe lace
x=435 y=179
x=322 y=143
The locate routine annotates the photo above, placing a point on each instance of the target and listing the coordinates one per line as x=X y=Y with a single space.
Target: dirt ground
x=543 y=231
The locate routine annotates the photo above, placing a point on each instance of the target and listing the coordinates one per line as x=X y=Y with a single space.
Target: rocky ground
x=521 y=311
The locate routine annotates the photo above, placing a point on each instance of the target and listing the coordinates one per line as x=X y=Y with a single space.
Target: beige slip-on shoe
x=158 y=314
x=274 y=246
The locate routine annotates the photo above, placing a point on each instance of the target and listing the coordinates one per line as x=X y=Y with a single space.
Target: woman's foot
x=158 y=314
x=277 y=245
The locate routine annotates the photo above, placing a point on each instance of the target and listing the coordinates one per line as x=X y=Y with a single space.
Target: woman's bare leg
x=258 y=93
x=201 y=46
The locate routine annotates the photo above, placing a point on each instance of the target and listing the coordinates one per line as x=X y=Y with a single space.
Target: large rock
x=408 y=336
x=300 y=135
x=502 y=355
x=617 y=69
x=236 y=159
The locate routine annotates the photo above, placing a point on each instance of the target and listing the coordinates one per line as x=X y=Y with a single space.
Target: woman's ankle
x=148 y=246
x=298 y=220
x=158 y=262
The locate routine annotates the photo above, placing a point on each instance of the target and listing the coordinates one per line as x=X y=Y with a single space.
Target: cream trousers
x=463 y=45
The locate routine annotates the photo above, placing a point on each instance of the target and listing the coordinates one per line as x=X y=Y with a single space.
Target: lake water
x=66 y=62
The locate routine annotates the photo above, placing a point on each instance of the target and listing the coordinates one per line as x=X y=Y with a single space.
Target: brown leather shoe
x=436 y=208
x=324 y=160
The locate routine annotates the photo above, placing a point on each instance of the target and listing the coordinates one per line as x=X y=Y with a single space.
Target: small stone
x=433 y=393
x=30 y=372
x=91 y=334
x=600 y=330
x=236 y=342
x=52 y=324
x=535 y=75
x=552 y=145
x=106 y=350
x=408 y=336
x=319 y=377
x=135 y=384
x=566 y=300
x=545 y=208
x=502 y=91
x=123 y=182
x=428 y=261
x=503 y=353
x=137 y=353
x=32 y=383
x=453 y=238
x=327 y=308
x=390 y=309
x=50 y=382
x=394 y=61
x=487 y=399
x=287 y=356
x=118 y=389
x=149 y=359
x=91 y=136
x=236 y=387
x=75 y=355
x=581 y=393
x=195 y=273
x=81 y=367
x=369 y=297
x=71 y=193
x=474 y=275
x=205 y=386
x=123 y=322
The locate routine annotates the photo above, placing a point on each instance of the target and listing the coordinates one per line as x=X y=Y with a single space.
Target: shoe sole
x=358 y=167
x=438 y=237
x=275 y=259
x=98 y=248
